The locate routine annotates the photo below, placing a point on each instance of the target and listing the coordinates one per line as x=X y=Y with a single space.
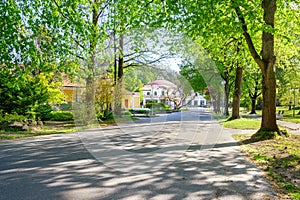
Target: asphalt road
x=184 y=155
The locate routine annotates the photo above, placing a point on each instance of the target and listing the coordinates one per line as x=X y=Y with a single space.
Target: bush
x=43 y=112
x=140 y=111
x=11 y=118
x=13 y=122
x=101 y=116
x=159 y=106
x=60 y=116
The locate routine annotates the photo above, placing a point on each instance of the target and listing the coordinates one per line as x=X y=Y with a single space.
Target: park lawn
x=242 y=123
x=279 y=159
x=288 y=116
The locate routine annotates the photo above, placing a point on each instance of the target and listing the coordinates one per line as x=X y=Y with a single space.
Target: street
x=183 y=155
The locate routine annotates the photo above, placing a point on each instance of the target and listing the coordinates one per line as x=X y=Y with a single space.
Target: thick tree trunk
x=237 y=93
x=268 y=72
x=268 y=122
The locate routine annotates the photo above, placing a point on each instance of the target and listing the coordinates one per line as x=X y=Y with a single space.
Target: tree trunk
x=227 y=90
x=268 y=72
x=118 y=88
x=90 y=80
x=253 y=105
x=269 y=99
x=237 y=93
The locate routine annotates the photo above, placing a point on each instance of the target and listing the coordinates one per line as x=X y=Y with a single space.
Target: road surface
x=184 y=155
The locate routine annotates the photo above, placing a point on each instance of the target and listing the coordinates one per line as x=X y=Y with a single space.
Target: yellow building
x=131 y=100
x=73 y=92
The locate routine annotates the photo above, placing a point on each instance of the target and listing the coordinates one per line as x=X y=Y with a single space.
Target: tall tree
x=246 y=19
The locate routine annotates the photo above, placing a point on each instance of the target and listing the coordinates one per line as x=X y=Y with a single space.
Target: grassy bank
x=242 y=123
x=279 y=159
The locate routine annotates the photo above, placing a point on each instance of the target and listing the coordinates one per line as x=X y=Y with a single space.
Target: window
x=148 y=93
x=162 y=93
x=155 y=93
x=195 y=103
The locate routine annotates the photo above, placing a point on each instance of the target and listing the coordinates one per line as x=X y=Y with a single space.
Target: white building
x=159 y=91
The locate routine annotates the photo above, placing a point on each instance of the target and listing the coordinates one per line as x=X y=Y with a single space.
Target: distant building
x=195 y=100
x=131 y=100
x=159 y=91
x=72 y=90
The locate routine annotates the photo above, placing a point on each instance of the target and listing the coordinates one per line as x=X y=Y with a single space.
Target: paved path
x=184 y=155
x=293 y=128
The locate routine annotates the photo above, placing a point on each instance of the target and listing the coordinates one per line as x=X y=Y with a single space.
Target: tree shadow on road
x=60 y=167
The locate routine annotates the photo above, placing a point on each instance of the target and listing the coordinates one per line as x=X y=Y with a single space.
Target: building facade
x=163 y=91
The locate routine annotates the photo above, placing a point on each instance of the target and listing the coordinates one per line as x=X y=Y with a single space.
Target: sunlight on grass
x=242 y=123
x=279 y=158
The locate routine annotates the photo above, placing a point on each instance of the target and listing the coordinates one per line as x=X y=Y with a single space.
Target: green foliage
x=139 y=111
x=59 y=116
x=27 y=94
x=102 y=116
x=193 y=75
x=155 y=105
x=11 y=118
x=43 y=111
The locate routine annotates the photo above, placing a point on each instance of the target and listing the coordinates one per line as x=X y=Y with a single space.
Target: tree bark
x=237 y=93
x=268 y=72
x=227 y=90
x=253 y=106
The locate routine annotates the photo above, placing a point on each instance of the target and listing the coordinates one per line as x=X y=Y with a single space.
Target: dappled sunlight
x=129 y=166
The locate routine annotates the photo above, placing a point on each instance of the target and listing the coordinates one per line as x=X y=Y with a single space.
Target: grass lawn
x=279 y=159
x=9 y=135
x=242 y=123
x=288 y=114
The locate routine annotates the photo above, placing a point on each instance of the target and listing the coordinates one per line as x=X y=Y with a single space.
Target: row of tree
x=73 y=36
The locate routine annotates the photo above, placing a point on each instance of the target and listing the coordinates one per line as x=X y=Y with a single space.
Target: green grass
x=279 y=158
x=287 y=116
x=9 y=135
x=242 y=123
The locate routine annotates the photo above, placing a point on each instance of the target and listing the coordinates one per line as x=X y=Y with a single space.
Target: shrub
x=61 y=116
x=155 y=105
x=43 y=112
x=101 y=116
x=11 y=118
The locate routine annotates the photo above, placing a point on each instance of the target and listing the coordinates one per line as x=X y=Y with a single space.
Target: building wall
x=68 y=94
x=131 y=100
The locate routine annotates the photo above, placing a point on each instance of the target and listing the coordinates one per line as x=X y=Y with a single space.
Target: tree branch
x=248 y=38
